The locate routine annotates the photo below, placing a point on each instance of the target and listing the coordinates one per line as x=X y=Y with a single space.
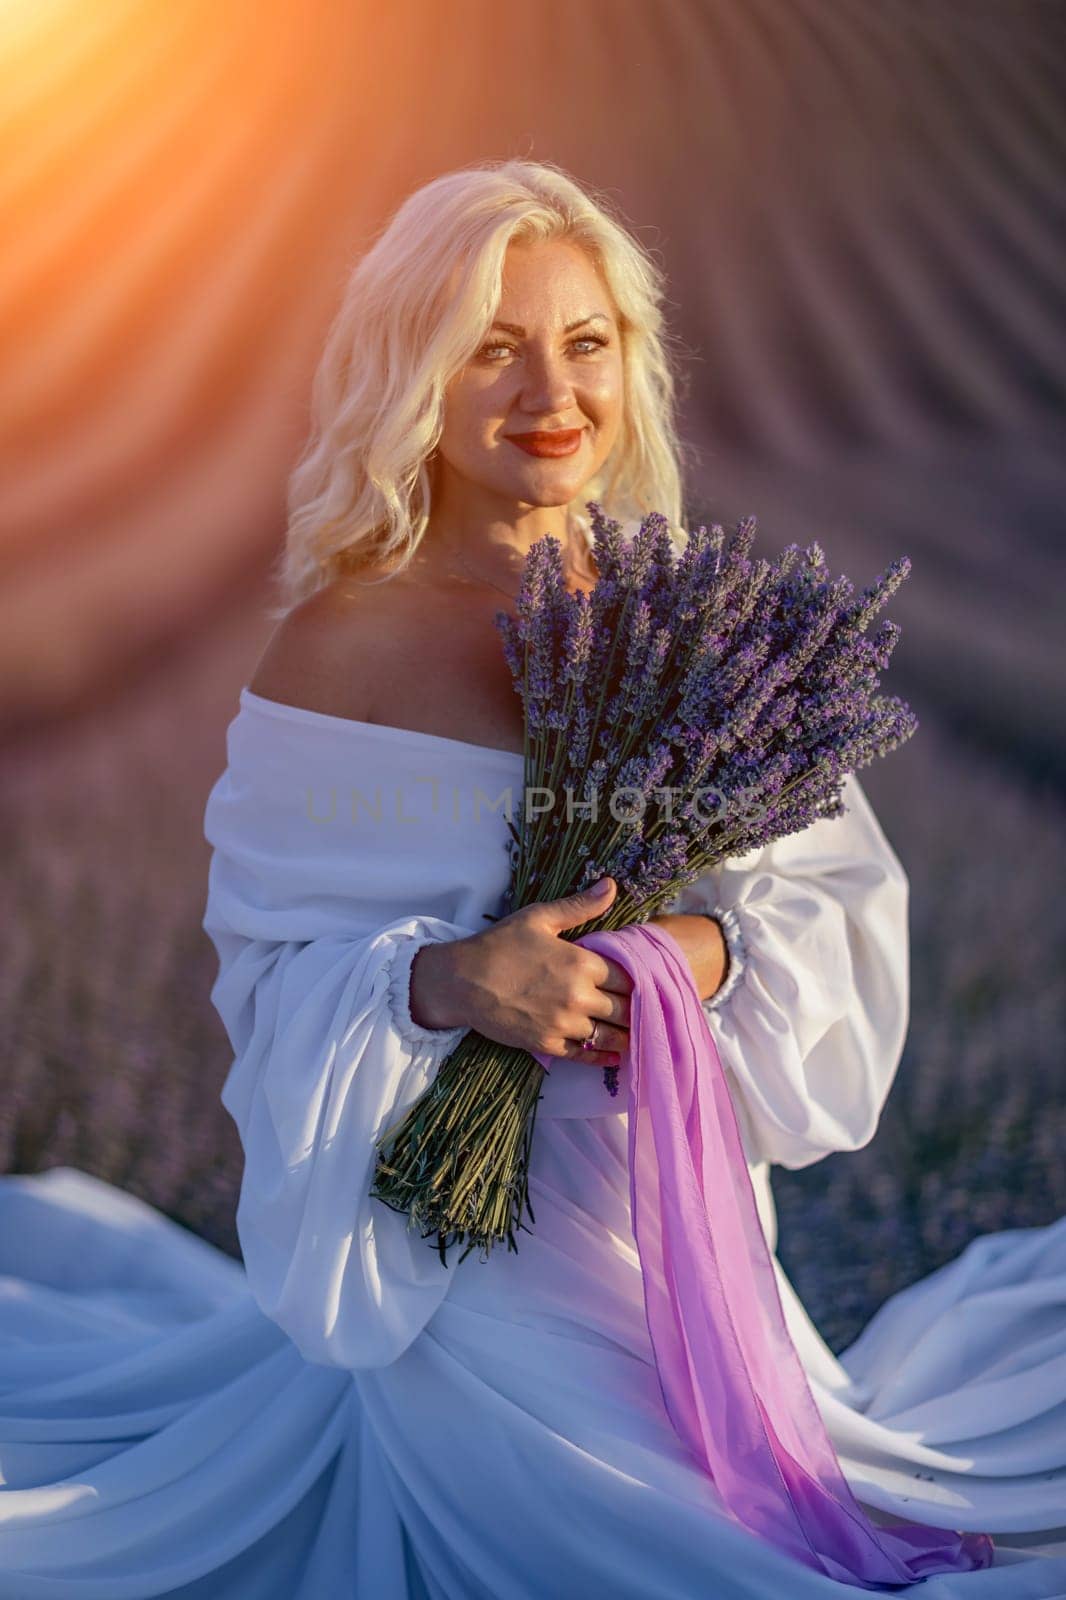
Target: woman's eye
x=596 y=342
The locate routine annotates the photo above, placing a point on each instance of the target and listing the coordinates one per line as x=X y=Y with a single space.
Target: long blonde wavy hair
x=417 y=306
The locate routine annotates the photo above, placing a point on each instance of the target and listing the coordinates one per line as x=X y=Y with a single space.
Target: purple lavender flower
x=694 y=708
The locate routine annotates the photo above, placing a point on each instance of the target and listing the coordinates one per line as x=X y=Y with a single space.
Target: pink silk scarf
x=734 y=1386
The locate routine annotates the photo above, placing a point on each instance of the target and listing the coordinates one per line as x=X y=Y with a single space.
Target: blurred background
x=860 y=208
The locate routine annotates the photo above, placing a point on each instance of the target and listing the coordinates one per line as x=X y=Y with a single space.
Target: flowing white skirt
x=160 y=1436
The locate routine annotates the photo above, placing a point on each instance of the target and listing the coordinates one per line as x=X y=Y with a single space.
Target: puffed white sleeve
x=810 y=1024
x=326 y=1057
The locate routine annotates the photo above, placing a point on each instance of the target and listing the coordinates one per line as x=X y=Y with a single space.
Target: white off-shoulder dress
x=344 y=1417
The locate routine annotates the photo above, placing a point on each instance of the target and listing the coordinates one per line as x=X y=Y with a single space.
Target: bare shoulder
x=328 y=653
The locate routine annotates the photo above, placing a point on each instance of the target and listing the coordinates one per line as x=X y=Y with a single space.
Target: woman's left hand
x=704 y=946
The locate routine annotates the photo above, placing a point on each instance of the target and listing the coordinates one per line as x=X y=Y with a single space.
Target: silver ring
x=586 y=1043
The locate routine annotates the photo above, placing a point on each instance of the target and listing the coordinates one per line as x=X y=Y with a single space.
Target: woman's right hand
x=519 y=983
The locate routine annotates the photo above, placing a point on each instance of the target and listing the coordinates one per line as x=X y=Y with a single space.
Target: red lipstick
x=548 y=442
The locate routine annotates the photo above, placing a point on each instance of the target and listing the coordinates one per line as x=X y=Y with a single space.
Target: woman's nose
x=546 y=387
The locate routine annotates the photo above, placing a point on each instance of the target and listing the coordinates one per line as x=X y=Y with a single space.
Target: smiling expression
x=536 y=411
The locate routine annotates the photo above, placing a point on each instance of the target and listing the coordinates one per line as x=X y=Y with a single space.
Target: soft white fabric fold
x=813 y=1033
x=326 y=1055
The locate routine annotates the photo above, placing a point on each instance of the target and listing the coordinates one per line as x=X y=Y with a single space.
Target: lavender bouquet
x=718 y=702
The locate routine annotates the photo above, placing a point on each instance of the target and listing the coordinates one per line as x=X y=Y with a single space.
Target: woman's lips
x=562 y=442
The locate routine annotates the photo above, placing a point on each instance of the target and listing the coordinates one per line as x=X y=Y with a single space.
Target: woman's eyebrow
x=513 y=327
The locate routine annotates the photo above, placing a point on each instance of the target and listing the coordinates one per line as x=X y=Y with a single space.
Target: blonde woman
x=444 y=445
x=345 y=1415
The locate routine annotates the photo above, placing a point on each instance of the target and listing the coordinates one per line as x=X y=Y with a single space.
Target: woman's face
x=552 y=360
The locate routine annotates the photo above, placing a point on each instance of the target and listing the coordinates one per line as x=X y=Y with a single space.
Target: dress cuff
x=729 y=923
x=399 y=997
